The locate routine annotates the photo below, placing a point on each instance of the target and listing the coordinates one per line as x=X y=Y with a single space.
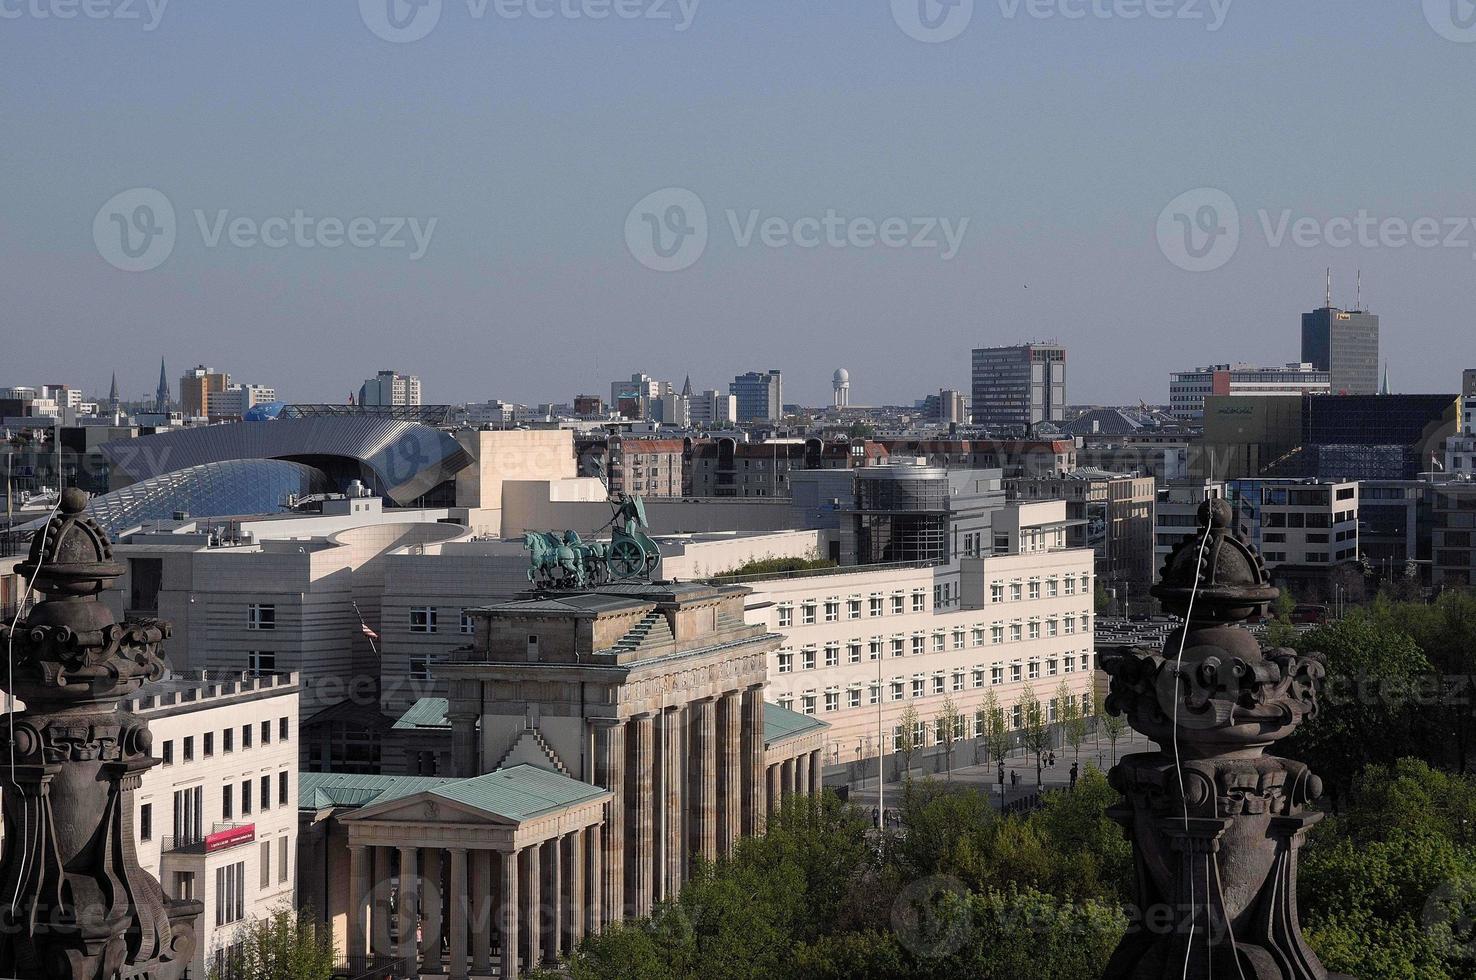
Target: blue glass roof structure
x=236 y=488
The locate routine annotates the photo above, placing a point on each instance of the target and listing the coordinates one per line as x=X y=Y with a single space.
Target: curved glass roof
x=235 y=488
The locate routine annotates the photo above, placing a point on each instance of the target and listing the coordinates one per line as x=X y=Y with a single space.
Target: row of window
x=227 y=739
x=810 y=610
x=940 y=682
x=189 y=817
x=940 y=641
x=426 y=619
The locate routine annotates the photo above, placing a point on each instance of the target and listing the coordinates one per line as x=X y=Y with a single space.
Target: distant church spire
x=113 y=396
x=1384 y=388
x=161 y=396
x=687 y=387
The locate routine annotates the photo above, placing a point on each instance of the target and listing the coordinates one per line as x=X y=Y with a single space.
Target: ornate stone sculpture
x=1215 y=822
x=73 y=901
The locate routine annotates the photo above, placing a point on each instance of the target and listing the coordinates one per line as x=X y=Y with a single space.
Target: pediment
x=427 y=807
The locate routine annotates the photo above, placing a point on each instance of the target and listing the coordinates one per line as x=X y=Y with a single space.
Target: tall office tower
x=842 y=385
x=196 y=388
x=952 y=409
x=714 y=408
x=1344 y=343
x=633 y=398
x=760 y=396
x=1019 y=386
x=389 y=388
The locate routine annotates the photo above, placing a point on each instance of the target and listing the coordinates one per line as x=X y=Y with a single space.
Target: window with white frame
x=899 y=690
x=786 y=661
x=1050 y=666
x=919 y=687
x=468 y=624
x=1070 y=624
x=1015 y=671
x=1016 y=590
x=978 y=635
x=978 y=676
x=853 y=607
x=875 y=604
x=940 y=641
x=261 y=616
x=807 y=614
x=1068 y=663
x=996 y=633
x=786 y=702
x=1070 y=585
x=1035 y=629
x=832 y=610
x=1052 y=587
x=853 y=697
x=261 y=662
x=940 y=683
x=807 y=658
x=996 y=592
x=832 y=700
x=786 y=614
x=230 y=893
x=422 y=619
x=899 y=646
x=1017 y=717
x=960 y=637
x=874 y=648
x=874 y=692
x=1017 y=631
x=996 y=674
x=1035 y=588
x=853 y=651
x=808 y=703
x=1051 y=626
x=899 y=604
x=1033 y=669
x=919 y=644
x=832 y=654
x=958 y=680
x=920 y=600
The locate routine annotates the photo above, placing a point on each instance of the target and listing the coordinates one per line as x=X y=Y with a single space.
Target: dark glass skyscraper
x=1345 y=343
x=1017 y=387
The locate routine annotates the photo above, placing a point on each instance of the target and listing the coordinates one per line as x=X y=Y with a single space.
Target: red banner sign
x=234 y=837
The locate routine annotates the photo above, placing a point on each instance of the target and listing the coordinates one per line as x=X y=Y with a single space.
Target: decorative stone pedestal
x=1215 y=822
x=75 y=903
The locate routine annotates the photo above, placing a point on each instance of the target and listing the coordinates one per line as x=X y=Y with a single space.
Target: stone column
x=787 y=780
x=553 y=897
x=464 y=755
x=379 y=927
x=431 y=917
x=509 y=900
x=730 y=775
x=802 y=774
x=776 y=788
x=459 y=911
x=753 y=760
x=673 y=799
x=704 y=779
x=642 y=830
x=482 y=891
x=533 y=929
x=817 y=773
x=596 y=856
x=409 y=896
x=609 y=737
x=574 y=863
x=360 y=902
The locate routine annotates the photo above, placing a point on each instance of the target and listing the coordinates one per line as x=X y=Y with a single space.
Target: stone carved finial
x=76 y=903
x=1215 y=822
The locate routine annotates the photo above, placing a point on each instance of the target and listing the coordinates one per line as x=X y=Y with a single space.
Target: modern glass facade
x=901 y=514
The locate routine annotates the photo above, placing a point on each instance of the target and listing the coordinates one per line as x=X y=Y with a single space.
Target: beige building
x=601 y=742
x=217 y=818
x=862 y=646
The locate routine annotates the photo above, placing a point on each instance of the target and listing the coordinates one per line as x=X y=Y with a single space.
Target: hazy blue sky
x=530 y=140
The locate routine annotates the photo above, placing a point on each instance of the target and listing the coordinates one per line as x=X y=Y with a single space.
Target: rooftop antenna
x=1329 y=288
x=1358 y=297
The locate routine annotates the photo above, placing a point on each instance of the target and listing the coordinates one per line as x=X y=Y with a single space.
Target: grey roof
x=781 y=724
x=520 y=792
x=425 y=713
x=322 y=790
x=402 y=459
x=1102 y=421
x=232 y=488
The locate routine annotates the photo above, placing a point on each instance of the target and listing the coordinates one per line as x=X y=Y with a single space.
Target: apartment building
x=862 y=646
x=217 y=818
x=1304 y=529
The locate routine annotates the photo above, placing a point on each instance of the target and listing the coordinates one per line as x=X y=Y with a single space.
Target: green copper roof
x=520 y=792
x=425 y=713
x=321 y=790
x=781 y=724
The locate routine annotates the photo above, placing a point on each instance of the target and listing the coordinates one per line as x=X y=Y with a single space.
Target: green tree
x=1071 y=719
x=286 y=944
x=1376 y=682
x=1280 y=632
x=1035 y=732
x=907 y=739
x=1114 y=726
x=946 y=722
x=996 y=730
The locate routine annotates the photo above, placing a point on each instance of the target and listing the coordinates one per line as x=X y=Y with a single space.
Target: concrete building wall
x=531 y=454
